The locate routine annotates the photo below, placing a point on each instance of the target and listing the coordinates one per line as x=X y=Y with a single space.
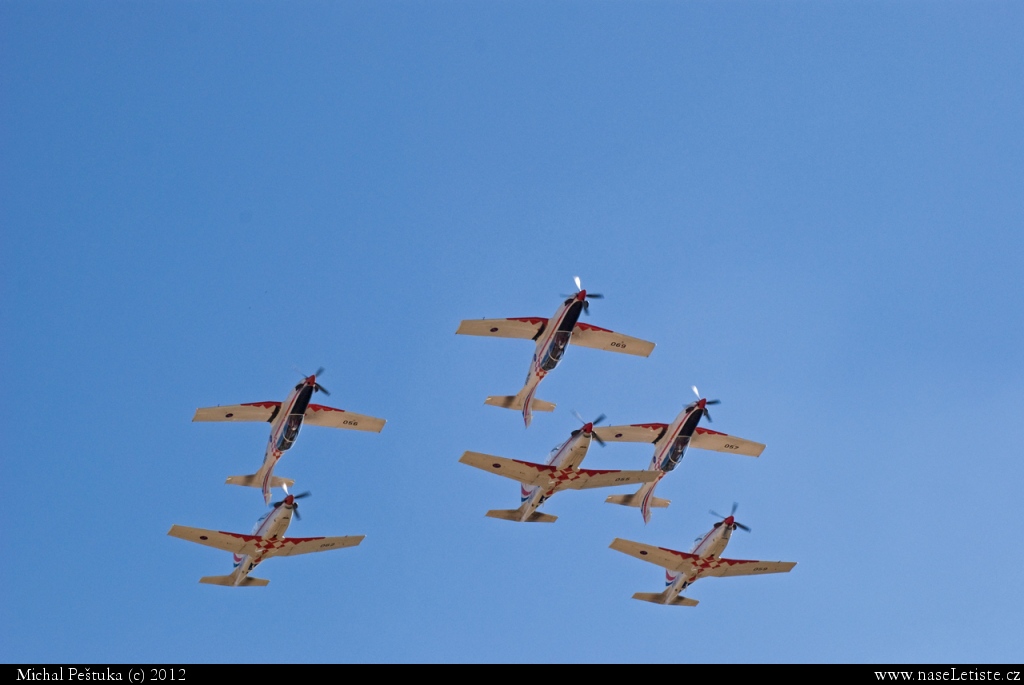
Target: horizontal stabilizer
x=248 y=581
x=516 y=402
x=660 y=598
x=635 y=500
x=256 y=481
x=515 y=515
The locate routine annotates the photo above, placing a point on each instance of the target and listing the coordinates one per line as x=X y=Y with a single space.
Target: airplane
x=267 y=540
x=285 y=420
x=670 y=442
x=552 y=336
x=538 y=482
x=683 y=569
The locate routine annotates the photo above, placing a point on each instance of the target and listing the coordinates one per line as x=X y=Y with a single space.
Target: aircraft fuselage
x=271 y=526
x=709 y=547
x=567 y=456
x=553 y=339
x=284 y=427
x=671 y=448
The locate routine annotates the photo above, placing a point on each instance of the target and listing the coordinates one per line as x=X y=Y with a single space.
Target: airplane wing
x=589 y=478
x=585 y=335
x=319 y=415
x=253 y=411
x=523 y=471
x=707 y=439
x=288 y=547
x=527 y=327
x=239 y=543
x=638 y=432
x=229 y=542
x=546 y=476
x=680 y=562
x=722 y=567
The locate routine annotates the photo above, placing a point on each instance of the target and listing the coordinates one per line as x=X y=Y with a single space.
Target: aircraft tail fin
x=517 y=515
x=661 y=598
x=248 y=581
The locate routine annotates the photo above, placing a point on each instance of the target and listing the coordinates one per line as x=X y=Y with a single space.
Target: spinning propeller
x=702 y=403
x=729 y=520
x=586 y=296
x=588 y=428
x=289 y=501
x=316 y=386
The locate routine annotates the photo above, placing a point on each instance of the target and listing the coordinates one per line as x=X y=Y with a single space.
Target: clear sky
x=816 y=210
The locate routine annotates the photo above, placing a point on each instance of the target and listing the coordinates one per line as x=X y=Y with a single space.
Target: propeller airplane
x=670 y=443
x=551 y=337
x=682 y=569
x=267 y=540
x=285 y=419
x=538 y=482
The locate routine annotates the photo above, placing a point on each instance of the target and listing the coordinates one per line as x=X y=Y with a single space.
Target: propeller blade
x=578 y=286
x=586 y=307
x=735 y=505
x=599 y=419
x=597 y=437
x=707 y=415
x=295 y=510
x=741 y=526
x=715 y=514
x=320 y=371
x=713 y=402
x=580 y=418
x=695 y=391
x=595 y=296
x=307 y=493
x=320 y=388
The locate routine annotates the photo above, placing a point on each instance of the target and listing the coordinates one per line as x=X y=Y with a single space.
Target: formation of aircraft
x=683 y=569
x=266 y=540
x=268 y=536
x=670 y=443
x=552 y=336
x=538 y=482
x=285 y=419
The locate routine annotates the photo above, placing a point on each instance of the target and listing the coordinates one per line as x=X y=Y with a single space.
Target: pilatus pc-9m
x=285 y=419
x=552 y=336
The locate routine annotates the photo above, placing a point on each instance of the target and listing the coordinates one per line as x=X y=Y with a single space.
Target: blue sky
x=814 y=209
